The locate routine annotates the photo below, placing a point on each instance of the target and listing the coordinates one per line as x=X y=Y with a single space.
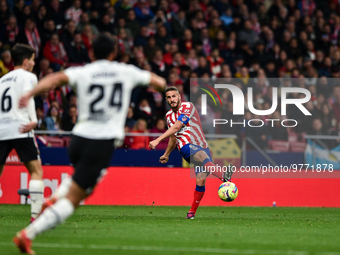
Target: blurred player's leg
x=36 y=187
x=61 y=192
x=23 y=243
x=90 y=159
x=57 y=213
x=63 y=188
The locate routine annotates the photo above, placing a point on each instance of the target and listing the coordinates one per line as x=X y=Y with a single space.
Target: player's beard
x=175 y=107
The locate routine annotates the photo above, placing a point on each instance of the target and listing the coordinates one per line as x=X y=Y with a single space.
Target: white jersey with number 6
x=103 y=91
x=12 y=86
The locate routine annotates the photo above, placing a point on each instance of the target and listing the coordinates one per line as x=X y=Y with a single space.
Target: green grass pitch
x=163 y=230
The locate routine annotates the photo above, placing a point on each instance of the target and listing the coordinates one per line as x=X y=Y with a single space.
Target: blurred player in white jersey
x=103 y=89
x=16 y=125
x=185 y=130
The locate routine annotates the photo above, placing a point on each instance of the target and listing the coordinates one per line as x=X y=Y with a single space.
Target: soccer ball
x=227 y=191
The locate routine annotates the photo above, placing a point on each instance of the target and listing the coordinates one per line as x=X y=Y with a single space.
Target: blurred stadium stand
x=251 y=41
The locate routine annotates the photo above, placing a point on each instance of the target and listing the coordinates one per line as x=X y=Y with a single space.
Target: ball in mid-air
x=227 y=191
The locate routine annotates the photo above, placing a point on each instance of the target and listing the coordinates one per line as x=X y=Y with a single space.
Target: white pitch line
x=327 y=253
x=163 y=249
x=50 y=245
x=193 y=249
x=169 y=249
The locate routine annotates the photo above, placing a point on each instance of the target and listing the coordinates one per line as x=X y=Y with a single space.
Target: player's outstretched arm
x=47 y=83
x=172 y=130
x=157 y=82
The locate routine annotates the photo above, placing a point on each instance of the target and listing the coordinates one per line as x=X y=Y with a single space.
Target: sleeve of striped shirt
x=186 y=112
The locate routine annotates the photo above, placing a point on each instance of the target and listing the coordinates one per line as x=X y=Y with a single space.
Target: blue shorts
x=189 y=150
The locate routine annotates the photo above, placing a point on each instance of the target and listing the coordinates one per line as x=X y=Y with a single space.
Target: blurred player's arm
x=172 y=130
x=47 y=83
x=146 y=78
x=28 y=85
x=33 y=117
x=171 y=146
x=157 y=82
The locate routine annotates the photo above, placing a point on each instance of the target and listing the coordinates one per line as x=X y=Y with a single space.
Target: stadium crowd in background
x=248 y=41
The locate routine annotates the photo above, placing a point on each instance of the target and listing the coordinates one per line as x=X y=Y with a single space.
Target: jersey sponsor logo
x=186 y=110
x=6 y=120
x=99 y=117
x=103 y=75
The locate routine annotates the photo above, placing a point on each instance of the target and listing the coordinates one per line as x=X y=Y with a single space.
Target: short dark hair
x=20 y=52
x=171 y=88
x=103 y=46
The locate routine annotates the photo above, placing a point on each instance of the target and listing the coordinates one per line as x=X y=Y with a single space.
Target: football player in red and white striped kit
x=185 y=131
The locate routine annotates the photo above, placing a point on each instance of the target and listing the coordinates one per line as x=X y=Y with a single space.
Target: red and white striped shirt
x=190 y=133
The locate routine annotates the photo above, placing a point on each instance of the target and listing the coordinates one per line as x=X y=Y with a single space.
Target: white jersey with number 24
x=103 y=91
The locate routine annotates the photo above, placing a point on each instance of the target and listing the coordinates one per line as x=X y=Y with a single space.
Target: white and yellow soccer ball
x=227 y=191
